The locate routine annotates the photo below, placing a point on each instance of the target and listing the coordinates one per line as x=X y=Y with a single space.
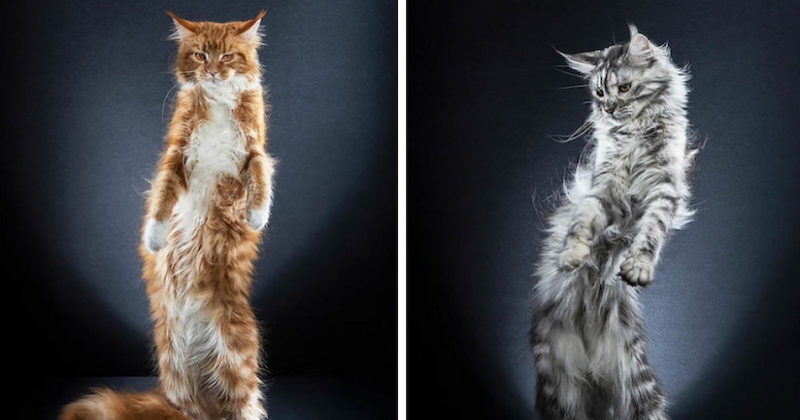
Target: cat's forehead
x=214 y=36
x=615 y=53
x=614 y=57
x=614 y=65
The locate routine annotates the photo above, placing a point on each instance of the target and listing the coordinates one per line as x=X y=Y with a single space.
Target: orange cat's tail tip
x=90 y=407
x=105 y=404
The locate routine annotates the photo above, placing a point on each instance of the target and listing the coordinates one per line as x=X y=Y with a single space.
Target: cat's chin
x=216 y=82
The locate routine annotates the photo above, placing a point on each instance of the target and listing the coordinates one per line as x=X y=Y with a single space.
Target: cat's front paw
x=258 y=218
x=575 y=254
x=637 y=269
x=155 y=235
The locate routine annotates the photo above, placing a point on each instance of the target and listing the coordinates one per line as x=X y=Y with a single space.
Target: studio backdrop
x=88 y=101
x=488 y=95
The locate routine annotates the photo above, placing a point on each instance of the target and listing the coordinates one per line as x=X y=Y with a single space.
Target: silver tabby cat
x=623 y=199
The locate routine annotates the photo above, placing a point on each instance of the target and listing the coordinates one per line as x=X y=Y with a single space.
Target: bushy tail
x=105 y=404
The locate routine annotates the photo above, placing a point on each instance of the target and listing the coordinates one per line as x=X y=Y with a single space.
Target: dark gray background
x=88 y=101
x=485 y=92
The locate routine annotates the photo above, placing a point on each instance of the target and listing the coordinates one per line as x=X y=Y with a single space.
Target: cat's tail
x=105 y=404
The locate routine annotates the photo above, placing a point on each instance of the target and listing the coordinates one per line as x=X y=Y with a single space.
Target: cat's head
x=628 y=80
x=214 y=53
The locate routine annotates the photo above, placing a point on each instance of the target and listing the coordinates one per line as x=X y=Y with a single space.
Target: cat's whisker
x=166 y=97
x=159 y=73
x=570 y=73
x=579 y=132
x=573 y=87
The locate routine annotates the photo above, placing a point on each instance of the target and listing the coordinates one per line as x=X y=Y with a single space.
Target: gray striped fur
x=619 y=205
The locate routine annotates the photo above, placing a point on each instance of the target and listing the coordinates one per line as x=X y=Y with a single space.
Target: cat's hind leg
x=234 y=380
x=179 y=388
x=560 y=360
x=640 y=395
x=237 y=389
x=174 y=369
x=642 y=391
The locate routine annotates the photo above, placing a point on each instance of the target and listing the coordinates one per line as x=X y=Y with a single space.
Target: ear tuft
x=583 y=63
x=183 y=27
x=632 y=29
x=249 y=29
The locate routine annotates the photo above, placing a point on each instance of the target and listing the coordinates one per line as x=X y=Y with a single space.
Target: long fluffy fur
x=604 y=238
x=107 y=404
x=204 y=215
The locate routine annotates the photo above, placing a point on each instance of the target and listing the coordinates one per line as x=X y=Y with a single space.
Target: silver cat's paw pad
x=574 y=256
x=637 y=270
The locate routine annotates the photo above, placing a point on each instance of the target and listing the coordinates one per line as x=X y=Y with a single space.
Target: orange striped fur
x=107 y=404
x=204 y=216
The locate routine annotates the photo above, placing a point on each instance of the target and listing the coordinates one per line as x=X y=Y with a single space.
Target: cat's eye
x=624 y=88
x=200 y=56
x=226 y=58
x=599 y=92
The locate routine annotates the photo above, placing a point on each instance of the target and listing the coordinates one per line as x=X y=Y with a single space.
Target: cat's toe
x=155 y=235
x=258 y=218
x=574 y=256
x=636 y=272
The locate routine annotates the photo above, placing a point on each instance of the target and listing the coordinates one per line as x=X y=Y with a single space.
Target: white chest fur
x=216 y=147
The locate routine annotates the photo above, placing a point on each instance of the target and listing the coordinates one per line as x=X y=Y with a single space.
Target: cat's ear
x=249 y=29
x=632 y=30
x=183 y=27
x=584 y=63
x=640 y=48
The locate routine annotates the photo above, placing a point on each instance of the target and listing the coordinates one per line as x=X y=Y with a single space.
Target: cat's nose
x=213 y=73
x=611 y=109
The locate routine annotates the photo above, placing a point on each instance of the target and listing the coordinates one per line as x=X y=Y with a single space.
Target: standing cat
x=605 y=237
x=209 y=201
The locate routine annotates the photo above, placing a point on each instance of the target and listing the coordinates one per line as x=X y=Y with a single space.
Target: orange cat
x=208 y=203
